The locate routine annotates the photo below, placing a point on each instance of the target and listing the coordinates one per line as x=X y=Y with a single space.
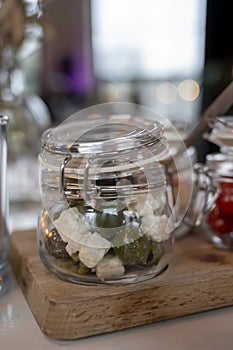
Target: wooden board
x=200 y=277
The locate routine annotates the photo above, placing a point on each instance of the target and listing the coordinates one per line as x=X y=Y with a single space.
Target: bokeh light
x=189 y=90
x=166 y=93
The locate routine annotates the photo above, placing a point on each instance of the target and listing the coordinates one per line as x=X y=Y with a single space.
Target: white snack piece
x=164 y=227
x=109 y=267
x=75 y=231
x=73 y=227
x=72 y=247
x=148 y=204
x=156 y=227
x=149 y=225
x=91 y=256
x=71 y=224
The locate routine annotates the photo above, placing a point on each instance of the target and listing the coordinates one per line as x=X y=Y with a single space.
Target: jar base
x=88 y=280
x=4 y=279
x=181 y=231
x=222 y=241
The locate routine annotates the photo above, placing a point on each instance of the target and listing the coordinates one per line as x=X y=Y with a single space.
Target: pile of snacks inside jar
x=108 y=243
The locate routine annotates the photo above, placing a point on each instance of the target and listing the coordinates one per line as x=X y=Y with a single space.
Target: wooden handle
x=218 y=107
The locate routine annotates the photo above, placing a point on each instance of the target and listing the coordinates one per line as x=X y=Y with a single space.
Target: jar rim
x=220 y=164
x=104 y=135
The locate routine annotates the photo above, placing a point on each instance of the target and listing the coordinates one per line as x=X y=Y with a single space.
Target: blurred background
x=172 y=56
x=60 y=56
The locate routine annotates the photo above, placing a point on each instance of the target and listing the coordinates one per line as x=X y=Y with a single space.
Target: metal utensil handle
x=218 y=107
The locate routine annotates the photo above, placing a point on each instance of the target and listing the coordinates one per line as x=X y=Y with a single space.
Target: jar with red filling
x=219 y=219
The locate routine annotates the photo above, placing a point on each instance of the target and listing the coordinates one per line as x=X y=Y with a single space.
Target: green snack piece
x=155 y=253
x=54 y=245
x=127 y=234
x=107 y=224
x=65 y=263
x=135 y=253
x=82 y=269
x=79 y=267
x=140 y=252
x=75 y=257
x=72 y=266
x=109 y=220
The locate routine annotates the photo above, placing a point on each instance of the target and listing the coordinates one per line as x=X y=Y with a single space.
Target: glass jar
x=107 y=216
x=218 y=221
x=24 y=135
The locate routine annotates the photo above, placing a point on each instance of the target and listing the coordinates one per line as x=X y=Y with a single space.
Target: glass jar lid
x=220 y=164
x=100 y=135
x=221 y=133
x=109 y=139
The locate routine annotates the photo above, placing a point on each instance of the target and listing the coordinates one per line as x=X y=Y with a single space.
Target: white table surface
x=212 y=330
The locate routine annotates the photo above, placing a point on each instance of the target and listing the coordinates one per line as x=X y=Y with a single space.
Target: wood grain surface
x=199 y=278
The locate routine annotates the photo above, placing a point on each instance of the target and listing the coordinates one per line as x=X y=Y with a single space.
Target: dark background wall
x=218 y=71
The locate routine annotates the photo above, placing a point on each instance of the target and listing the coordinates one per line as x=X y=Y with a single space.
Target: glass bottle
x=24 y=134
x=21 y=31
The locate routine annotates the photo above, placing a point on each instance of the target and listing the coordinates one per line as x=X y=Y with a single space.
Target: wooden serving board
x=200 y=277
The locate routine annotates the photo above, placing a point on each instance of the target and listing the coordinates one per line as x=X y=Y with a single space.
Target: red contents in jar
x=220 y=219
x=225 y=199
x=218 y=223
